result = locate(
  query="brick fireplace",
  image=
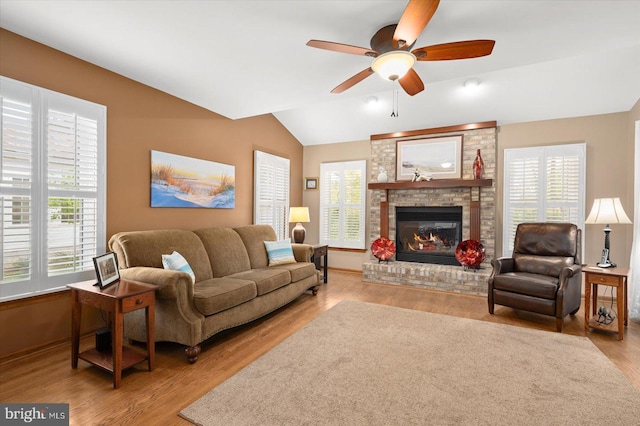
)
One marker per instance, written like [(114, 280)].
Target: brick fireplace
[(428, 234), (475, 199)]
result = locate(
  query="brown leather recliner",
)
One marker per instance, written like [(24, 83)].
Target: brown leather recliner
[(543, 275)]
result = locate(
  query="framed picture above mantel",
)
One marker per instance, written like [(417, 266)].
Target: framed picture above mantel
[(434, 158)]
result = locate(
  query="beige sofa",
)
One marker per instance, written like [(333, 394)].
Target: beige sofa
[(233, 282)]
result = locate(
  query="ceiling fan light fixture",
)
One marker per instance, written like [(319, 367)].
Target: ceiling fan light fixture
[(393, 65)]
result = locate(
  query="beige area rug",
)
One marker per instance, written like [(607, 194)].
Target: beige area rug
[(365, 364)]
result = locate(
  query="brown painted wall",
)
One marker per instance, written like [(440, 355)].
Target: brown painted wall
[(141, 119)]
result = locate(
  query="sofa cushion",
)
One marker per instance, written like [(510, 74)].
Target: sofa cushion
[(279, 252), (266, 279), (254, 237), (542, 286), (299, 270), (217, 294), (226, 251), (176, 262), (145, 248)]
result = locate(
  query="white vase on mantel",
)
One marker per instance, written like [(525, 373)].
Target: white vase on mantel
[(382, 176)]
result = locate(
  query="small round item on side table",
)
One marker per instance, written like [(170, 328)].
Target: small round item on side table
[(470, 254), (383, 249)]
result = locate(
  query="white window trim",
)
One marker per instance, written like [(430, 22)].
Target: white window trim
[(542, 154), (338, 169), (270, 203), (41, 100)]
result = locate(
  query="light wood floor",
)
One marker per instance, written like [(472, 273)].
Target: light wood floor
[(156, 397)]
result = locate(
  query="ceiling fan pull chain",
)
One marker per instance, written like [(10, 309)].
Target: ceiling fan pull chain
[(394, 108)]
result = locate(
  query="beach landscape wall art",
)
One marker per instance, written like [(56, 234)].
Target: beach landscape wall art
[(178, 181)]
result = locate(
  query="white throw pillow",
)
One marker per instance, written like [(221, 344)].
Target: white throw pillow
[(176, 262), (279, 252)]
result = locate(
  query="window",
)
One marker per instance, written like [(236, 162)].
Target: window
[(543, 184), (52, 189), (271, 192), (342, 203)]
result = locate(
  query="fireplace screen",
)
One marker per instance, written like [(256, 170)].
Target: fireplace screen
[(428, 234)]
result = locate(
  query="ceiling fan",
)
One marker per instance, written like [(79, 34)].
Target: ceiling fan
[(391, 49)]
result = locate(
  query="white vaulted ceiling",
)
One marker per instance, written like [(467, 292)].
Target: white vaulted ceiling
[(552, 59)]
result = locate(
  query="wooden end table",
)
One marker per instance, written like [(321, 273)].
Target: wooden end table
[(321, 251), (614, 277), (117, 299)]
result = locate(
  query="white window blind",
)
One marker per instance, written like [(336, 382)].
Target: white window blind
[(543, 184), (342, 204), (52, 189), (271, 192)]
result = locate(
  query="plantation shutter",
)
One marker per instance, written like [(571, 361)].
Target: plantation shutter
[(342, 204), (72, 158), (271, 192), (53, 189), (542, 184), (16, 188)]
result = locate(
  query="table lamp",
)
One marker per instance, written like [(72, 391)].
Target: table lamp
[(607, 211), (299, 215)]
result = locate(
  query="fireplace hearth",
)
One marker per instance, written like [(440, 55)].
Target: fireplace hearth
[(428, 234)]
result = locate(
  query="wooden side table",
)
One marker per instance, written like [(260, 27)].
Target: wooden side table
[(614, 277), (117, 299), (321, 251)]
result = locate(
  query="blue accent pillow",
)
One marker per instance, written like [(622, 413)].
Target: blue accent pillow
[(279, 252), (176, 262)]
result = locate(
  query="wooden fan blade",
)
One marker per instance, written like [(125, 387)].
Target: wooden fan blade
[(456, 50), (414, 18), (342, 48), (353, 81), (411, 82)]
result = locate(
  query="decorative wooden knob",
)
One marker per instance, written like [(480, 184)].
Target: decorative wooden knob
[(139, 302)]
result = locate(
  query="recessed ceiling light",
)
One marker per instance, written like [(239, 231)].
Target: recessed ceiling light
[(371, 100), (472, 83)]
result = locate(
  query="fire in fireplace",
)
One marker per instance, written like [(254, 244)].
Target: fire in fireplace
[(428, 234)]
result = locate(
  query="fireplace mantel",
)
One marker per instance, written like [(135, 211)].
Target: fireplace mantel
[(474, 203), (435, 183)]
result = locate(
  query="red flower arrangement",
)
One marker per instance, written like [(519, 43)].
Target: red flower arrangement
[(383, 248), (470, 254)]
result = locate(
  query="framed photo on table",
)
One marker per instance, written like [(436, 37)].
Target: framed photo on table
[(439, 158), (106, 269)]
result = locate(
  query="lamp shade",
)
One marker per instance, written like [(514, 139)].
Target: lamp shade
[(393, 65), (607, 211), (299, 214)]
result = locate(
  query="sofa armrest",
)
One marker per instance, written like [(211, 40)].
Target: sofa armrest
[(302, 252), (174, 285)]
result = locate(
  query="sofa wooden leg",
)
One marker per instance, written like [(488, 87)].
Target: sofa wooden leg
[(491, 306), (559, 323), (314, 290), (192, 353)]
